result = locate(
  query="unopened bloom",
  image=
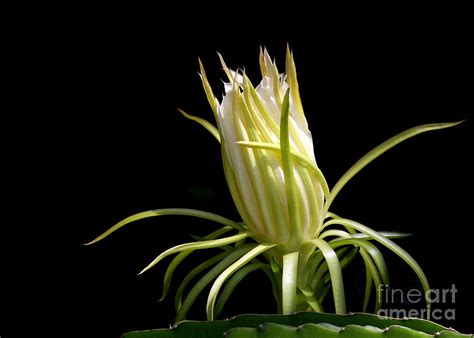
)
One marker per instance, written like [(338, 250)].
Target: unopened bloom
[(250, 132)]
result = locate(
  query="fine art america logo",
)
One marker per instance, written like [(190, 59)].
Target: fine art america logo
[(411, 301)]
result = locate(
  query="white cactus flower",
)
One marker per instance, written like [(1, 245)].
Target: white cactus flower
[(284, 201), (249, 123)]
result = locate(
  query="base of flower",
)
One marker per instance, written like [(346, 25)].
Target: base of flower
[(289, 282)]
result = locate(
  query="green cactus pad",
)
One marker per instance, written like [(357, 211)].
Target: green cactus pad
[(304, 324)]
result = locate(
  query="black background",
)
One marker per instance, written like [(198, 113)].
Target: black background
[(104, 141)]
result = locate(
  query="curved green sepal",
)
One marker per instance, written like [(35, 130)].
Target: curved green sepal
[(379, 150), (164, 212), (288, 167), (206, 124), (213, 243), (227, 260), (242, 261), (336, 274), (390, 245), (182, 255)]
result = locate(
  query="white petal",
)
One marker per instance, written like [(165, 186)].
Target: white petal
[(266, 94), (233, 151)]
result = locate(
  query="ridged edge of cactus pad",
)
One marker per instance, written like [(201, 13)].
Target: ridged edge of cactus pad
[(303, 324)]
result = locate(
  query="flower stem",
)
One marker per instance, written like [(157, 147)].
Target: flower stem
[(289, 277)]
